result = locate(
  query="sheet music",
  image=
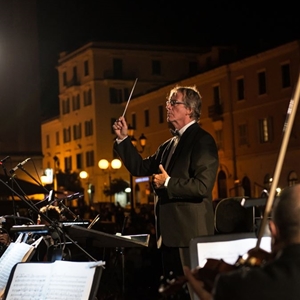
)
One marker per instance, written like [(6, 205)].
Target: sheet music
[(61, 280), (15, 253), (230, 250)]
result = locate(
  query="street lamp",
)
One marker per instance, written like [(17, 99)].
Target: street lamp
[(143, 141), (85, 175), (110, 168)]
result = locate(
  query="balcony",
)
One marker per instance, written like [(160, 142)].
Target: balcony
[(73, 82)]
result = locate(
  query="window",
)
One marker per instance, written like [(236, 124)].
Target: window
[(65, 78), (222, 184), (156, 67), (88, 128), (87, 97), (66, 106), (115, 96), (133, 121), (57, 138), (161, 114), (262, 85), (240, 89), (285, 76), (76, 102), (67, 135), (89, 157), (243, 134), (219, 139), (86, 68), (265, 130), (147, 120), (47, 141), (77, 131), (74, 79), (126, 94), (68, 163), (267, 181), (118, 68), (79, 161), (216, 95)]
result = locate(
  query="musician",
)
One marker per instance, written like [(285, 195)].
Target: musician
[(52, 212), (184, 171), (47, 246), (276, 279), (4, 240)]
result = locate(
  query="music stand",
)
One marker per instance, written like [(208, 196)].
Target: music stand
[(104, 240), (93, 238)]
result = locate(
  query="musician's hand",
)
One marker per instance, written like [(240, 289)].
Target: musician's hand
[(159, 179), (120, 128), (196, 285)]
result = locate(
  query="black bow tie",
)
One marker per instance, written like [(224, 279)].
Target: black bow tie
[(175, 132)]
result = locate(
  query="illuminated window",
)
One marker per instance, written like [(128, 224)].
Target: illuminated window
[(265, 130)]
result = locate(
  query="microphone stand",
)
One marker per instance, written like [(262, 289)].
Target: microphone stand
[(53, 224), (25, 171), (15, 213)]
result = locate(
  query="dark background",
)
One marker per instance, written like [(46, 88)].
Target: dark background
[(64, 25)]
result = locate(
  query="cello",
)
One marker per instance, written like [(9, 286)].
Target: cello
[(255, 256)]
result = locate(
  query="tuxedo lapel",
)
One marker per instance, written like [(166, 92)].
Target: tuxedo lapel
[(166, 152), (184, 141)]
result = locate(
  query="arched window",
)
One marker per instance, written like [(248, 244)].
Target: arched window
[(267, 181), (246, 186), (222, 185)]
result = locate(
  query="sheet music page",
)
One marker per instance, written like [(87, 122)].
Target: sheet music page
[(14, 254), (61, 280), (230, 250)]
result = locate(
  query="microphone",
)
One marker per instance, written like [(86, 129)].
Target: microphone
[(19, 165), (74, 196), (4, 159)]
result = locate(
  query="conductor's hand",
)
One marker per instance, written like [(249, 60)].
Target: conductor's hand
[(196, 284), (159, 179), (120, 128)]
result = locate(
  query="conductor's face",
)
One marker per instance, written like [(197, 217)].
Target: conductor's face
[(177, 112)]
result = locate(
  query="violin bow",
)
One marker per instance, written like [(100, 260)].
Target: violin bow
[(129, 98), (287, 128)]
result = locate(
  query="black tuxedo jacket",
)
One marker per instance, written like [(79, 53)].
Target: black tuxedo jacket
[(183, 209)]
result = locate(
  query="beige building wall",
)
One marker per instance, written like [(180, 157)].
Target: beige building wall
[(254, 160), (245, 161)]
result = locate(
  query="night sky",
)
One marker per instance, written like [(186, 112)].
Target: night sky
[(65, 25)]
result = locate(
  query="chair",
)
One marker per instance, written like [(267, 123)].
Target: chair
[(231, 217)]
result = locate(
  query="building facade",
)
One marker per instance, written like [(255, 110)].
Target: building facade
[(95, 82), (245, 107)]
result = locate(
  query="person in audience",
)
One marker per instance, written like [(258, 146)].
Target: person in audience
[(278, 278)]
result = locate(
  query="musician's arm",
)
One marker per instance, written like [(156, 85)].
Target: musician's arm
[(197, 285)]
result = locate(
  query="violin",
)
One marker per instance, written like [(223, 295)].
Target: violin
[(212, 268)]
